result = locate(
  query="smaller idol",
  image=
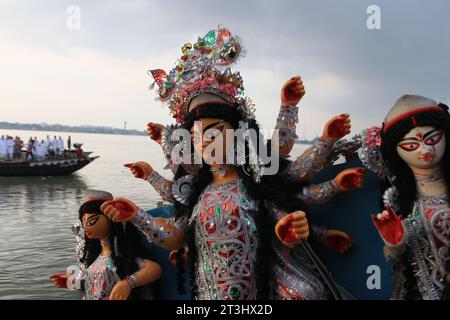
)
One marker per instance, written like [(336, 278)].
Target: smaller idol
[(412, 153), (114, 263)]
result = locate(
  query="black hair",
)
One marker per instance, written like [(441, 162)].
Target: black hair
[(126, 245), (402, 176), (273, 190)]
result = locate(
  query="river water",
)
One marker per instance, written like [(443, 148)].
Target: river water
[(36, 213)]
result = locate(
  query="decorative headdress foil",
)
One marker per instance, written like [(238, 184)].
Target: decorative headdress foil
[(78, 231), (390, 198), (370, 153), (204, 68), (256, 167)]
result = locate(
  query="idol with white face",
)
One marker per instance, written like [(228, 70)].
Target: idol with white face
[(210, 139), (422, 147)]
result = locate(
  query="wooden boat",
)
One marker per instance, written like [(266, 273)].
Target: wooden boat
[(49, 167)]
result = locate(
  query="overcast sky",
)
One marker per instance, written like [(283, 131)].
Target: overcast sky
[(97, 74)]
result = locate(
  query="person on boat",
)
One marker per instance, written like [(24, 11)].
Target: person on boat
[(116, 264), (69, 143), (47, 143), (56, 146), (60, 149), (36, 148), (78, 151), (246, 231), (42, 150), (30, 147), (10, 148), (51, 151), (413, 157), (18, 145), (3, 148)]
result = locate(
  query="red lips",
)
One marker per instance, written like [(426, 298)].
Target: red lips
[(427, 157)]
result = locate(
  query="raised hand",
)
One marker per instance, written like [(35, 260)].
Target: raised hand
[(337, 241), (389, 226), (292, 91), (60, 280), (140, 170), (121, 291), (351, 178), (337, 127), (119, 209), (291, 229), (154, 130)]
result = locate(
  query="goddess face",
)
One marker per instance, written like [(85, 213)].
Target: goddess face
[(96, 225), (209, 137), (422, 147)]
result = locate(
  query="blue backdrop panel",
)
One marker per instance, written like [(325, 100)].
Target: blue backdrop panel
[(350, 212)]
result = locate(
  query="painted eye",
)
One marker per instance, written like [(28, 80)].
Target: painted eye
[(434, 139), (409, 146), (91, 222)]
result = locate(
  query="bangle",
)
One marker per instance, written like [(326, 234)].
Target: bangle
[(132, 281)]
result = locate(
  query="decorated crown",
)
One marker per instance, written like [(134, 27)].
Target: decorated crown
[(204, 68)]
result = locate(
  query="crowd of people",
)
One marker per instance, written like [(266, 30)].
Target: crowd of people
[(14, 148)]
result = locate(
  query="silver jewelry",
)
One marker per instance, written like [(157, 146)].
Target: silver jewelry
[(147, 225), (327, 190), (431, 177), (257, 169), (311, 161), (390, 198), (182, 189), (286, 124), (158, 182), (370, 152), (435, 200), (132, 281)]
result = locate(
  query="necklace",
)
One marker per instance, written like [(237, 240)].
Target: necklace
[(435, 200), (431, 177)]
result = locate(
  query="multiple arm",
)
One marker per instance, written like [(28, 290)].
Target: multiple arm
[(311, 161), (142, 170), (161, 185), (286, 125), (291, 94), (166, 233), (320, 193)]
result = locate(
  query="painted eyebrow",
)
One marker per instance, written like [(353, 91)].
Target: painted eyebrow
[(209, 126), (212, 125), (93, 216), (424, 136), (430, 133), (409, 138)]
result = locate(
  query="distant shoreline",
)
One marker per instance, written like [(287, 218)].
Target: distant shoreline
[(85, 129), (69, 129)]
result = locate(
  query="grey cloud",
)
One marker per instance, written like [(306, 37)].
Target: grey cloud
[(408, 55)]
